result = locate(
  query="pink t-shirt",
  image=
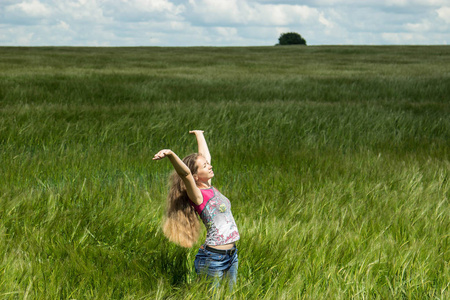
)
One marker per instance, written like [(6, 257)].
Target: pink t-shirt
[(215, 212)]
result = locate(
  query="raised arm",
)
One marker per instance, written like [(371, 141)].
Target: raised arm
[(202, 146), (185, 174)]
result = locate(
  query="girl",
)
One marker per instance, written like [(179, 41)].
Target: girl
[(191, 192)]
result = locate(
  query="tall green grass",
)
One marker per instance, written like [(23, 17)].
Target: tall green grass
[(335, 159)]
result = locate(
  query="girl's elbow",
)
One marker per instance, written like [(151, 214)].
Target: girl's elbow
[(183, 173)]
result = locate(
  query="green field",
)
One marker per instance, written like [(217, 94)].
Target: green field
[(336, 160)]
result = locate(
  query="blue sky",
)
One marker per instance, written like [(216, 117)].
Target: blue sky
[(222, 22)]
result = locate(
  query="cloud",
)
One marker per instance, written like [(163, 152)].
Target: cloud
[(221, 22), (423, 26), (25, 12), (280, 15), (32, 8), (219, 12), (266, 21), (401, 38), (238, 13), (444, 13), (141, 10)]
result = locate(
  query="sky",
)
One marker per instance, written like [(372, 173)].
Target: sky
[(222, 22)]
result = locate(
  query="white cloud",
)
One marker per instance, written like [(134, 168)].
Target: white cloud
[(20, 37), (402, 38), (32, 8), (222, 22), (286, 14), (356, 3), (63, 25), (444, 13), (219, 11), (324, 21), (226, 35), (235, 12), (226, 31), (423, 26), (23, 12), (141, 10), (396, 2)]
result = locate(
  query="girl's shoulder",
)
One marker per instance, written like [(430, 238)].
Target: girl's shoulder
[(209, 192)]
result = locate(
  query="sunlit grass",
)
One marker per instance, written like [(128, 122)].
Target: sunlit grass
[(335, 160)]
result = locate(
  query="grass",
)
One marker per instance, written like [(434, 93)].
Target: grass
[(335, 160)]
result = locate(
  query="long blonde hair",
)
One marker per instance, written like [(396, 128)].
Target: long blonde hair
[(181, 224)]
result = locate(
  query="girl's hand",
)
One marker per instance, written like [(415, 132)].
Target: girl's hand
[(196, 131), (162, 153)]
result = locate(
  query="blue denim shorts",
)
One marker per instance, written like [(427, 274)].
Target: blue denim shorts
[(217, 266)]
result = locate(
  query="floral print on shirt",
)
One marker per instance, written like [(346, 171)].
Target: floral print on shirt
[(218, 219)]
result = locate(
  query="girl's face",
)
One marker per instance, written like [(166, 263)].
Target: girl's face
[(204, 170)]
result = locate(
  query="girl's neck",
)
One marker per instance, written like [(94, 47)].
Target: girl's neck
[(203, 185)]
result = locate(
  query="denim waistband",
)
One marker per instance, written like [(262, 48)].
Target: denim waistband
[(219, 251)]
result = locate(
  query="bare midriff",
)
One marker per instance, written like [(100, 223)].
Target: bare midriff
[(222, 247)]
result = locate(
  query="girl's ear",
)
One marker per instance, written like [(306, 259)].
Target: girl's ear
[(195, 177)]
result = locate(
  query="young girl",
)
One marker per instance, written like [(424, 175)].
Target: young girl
[(191, 192)]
